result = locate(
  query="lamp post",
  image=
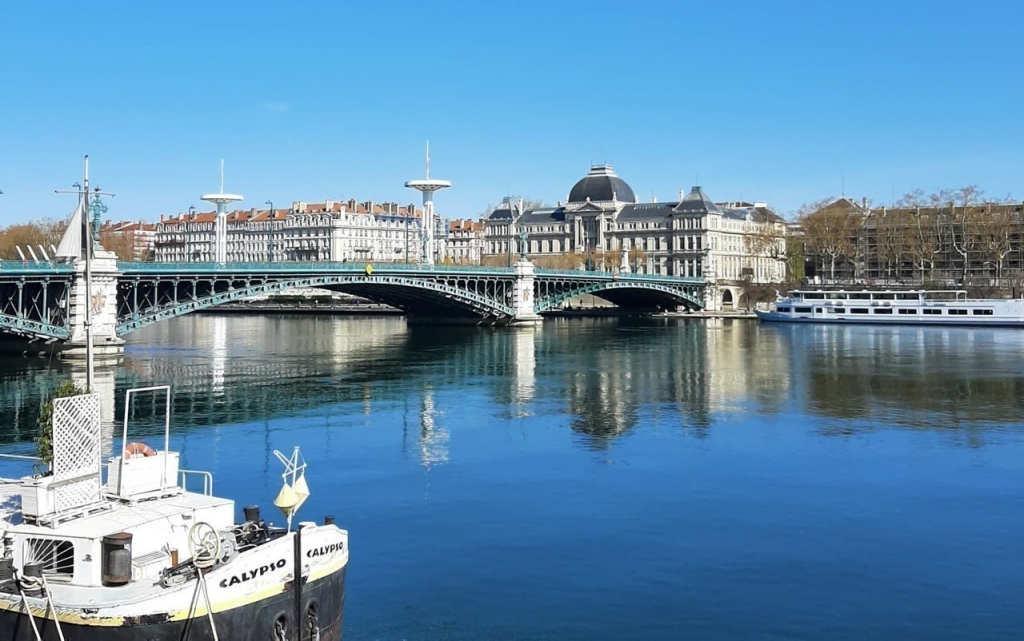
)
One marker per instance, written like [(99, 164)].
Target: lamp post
[(516, 211), (271, 241), (586, 241), (188, 233)]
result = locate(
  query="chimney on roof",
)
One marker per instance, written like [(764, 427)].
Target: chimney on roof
[(352, 205), (681, 196), (161, 218), (328, 205), (864, 203), (654, 199)]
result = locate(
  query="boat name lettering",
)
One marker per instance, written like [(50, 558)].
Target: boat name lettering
[(252, 574), (325, 549)]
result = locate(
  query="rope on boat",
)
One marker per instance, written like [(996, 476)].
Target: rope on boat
[(35, 585), (24, 601)]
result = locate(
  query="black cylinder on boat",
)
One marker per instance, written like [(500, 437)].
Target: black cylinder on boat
[(252, 513), (117, 559), (34, 571), (329, 519)]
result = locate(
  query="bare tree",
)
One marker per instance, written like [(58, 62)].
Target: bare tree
[(768, 240), (964, 218), (928, 238), (996, 225), (528, 204), (828, 227), (122, 243), (912, 199), (891, 227), (45, 233)]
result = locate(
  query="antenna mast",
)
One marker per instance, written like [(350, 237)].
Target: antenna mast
[(428, 160)]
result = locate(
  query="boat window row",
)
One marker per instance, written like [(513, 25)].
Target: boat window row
[(883, 310), (910, 296), (857, 295)]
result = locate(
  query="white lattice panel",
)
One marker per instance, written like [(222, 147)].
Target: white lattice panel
[(76, 451)]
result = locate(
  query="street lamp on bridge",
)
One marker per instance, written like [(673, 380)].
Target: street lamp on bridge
[(188, 233), (271, 243)]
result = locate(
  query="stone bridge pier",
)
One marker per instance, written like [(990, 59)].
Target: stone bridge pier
[(106, 342), (523, 302)]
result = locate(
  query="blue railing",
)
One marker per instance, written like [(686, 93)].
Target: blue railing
[(34, 267), (304, 266), (359, 267)]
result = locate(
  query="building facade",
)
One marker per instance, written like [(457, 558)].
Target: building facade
[(948, 245), (465, 242), (602, 226), (130, 240), (328, 231)]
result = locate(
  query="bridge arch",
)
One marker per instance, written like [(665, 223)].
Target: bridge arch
[(449, 297), (628, 294)]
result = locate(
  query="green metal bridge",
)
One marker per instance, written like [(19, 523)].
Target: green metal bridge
[(34, 298)]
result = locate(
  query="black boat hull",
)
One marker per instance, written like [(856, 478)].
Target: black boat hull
[(256, 621)]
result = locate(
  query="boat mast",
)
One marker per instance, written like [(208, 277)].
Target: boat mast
[(87, 255), (87, 251)]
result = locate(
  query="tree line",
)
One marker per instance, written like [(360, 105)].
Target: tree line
[(46, 233), (947, 234)]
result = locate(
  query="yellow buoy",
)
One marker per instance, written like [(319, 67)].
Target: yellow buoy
[(301, 492), (287, 500)]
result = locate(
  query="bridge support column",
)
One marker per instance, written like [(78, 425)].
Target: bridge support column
[(523, 301), (106, 342)]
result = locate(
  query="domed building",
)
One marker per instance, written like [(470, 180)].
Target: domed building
[(602, 226), (601, 185)]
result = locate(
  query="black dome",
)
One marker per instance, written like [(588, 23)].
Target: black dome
[(601, 184)]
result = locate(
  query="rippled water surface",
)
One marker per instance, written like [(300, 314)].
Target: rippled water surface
[(615, 479)]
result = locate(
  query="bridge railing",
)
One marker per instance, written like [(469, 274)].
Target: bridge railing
[(304, 266), (289, 267), (578, 273), (28, 266)]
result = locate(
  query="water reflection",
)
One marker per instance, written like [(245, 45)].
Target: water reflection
[(433, 440), (607, 377)]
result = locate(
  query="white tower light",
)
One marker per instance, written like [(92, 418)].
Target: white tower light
[(427, 187), (221, 228)]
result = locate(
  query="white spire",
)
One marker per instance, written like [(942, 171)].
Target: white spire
[(428, 160)]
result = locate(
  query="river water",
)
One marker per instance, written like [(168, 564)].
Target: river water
[(614, 479)]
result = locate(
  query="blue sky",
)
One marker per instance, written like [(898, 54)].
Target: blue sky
[(775, 101)]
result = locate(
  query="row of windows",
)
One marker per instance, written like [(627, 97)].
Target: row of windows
[(884, 310)]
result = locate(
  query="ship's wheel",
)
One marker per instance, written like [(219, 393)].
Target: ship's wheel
[(204, 544)]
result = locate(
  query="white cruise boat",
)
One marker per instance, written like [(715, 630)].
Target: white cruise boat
[(887, 307)]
